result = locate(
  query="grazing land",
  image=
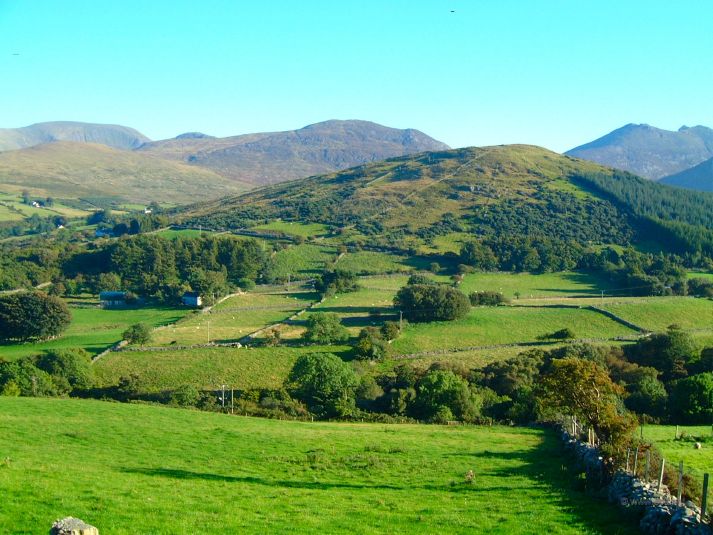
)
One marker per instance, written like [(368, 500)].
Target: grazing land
[(159, 470), (294, 228), (695, 461), (507, 325), (657, 313), (234, 318), (302, 261), (96, 329), (536, 286), (205, 368)]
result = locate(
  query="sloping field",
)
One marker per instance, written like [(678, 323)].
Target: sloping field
[(131, 469)]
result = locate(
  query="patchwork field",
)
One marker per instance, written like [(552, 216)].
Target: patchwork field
[(306, 230), (234, 318), (657, 313), (208, 368), (536, 286), (96, 329), (302, 261), (507, 325), (159, 470)]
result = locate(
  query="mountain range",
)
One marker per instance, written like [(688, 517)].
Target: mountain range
[(650, 152), (59, 158)]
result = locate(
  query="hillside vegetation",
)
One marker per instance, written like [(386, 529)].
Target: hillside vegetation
[(505, 194), (89, 171), (142, 469)]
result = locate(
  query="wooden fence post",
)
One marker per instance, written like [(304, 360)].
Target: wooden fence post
[(648, 461), (680, 481), (628, 454), (663, 465), (704, 499), (636, 460)]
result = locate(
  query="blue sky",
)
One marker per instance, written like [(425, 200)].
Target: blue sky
[(554, 73)]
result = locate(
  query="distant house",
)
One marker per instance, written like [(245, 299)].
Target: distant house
[(112, 299), (192, 299)]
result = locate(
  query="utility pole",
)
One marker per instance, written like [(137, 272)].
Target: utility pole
[(209, 331), (232, 405), (222, 396), (602, 297), (401, 320)]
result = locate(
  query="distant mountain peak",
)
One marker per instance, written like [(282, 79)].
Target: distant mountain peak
[(194, 135), (111, 135), (649, 151)]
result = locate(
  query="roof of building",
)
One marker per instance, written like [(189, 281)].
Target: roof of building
[(109, 296)]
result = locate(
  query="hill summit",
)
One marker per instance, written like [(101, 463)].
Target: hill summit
[(111, 135)]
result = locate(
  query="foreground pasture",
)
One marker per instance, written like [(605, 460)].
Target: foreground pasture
[(143, 469)]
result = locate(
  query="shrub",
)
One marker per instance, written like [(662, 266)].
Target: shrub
[(139, 333), (390, 330), (370, 345), (486, 298), (28, 315), (325, 328), (441, 389), (185, 396), (325, 383), (427, 302), (690, 401), (73, 365), (337, 281)]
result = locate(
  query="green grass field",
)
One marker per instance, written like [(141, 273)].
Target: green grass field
[(184, 233), (302, 261), (373, 263), (306, 230), (141, 469), (506, 325), (240, 368), (657, 313), (674, 451), (699, 275), (234, 318), (536, 286), (96, 329)]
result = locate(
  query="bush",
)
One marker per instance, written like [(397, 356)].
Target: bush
[(28, 315), (337, 281), (325, 328), (486, 298), (72, 365), (186, 396), (370, 345), (441, 389), (138, 333), (325, 383), (690, 401), (427, 302), (390, 330)]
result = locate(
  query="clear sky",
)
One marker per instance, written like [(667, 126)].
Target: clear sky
[(556, 73)]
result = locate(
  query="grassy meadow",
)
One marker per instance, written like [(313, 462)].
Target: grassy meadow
[(145, 469), (294, 228), (233, 318), (96, 329), (302, 261), (205, 368), (674, 451), (536, 286)]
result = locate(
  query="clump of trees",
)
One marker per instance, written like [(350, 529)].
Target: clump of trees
[(56, 372), (431, 302), (138, 334), (325, 328), (32, 315), (336, 281), (487, 298)]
